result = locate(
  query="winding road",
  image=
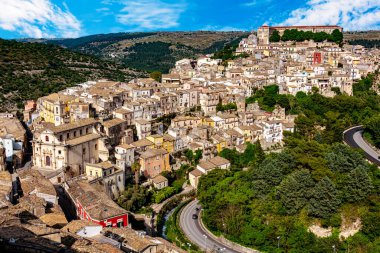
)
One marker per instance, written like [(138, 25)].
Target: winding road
[(197, 234), (354, 138)]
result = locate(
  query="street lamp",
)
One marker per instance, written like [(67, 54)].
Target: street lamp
[(205, 236), (278, 241), (334, 248)]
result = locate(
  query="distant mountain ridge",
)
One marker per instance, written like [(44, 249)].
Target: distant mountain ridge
[(32, 70), (149, 51)]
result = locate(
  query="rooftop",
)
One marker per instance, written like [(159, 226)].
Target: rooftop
[(73, 125), (219, 161), (159, 179), (83, 139), (97, 204), (153, 152)]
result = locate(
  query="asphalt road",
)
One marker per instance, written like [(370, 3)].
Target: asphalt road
[(196, 234), (354, 138)]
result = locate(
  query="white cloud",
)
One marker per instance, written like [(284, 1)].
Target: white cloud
[(221, 28), (150, 14), (102, 9), (38, 19), (351, 14), (256, 2)]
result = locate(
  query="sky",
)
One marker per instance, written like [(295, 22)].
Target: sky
[(76, 18)]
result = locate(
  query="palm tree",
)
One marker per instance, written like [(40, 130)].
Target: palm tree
[(136, 169)]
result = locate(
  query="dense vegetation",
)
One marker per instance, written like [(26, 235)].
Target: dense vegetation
[(227, 107), (365, 43), (296, 35), (315, 180), (157, 51), (151, 56), (94, 44), (32, 70)]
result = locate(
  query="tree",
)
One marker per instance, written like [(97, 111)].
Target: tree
[(372, 127), (324, 201), (259, 153), (305, 126), (358, 185), (156, 75), (197, 156), (269, 171), (189, 155), (275, 37), (337, 36), (343, 159), (294, 191), (136, 169)]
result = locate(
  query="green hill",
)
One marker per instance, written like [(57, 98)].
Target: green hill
[(31, 70), (156, 51), (316, 183)]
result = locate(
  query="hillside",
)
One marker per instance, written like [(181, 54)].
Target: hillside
[(315, 194), (31, 70), (151, 51), (365, 38)]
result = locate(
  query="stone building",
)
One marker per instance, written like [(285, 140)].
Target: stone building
[(264, 32), (69, 146)]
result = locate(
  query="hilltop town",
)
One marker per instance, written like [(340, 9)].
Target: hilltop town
[(66, 166)]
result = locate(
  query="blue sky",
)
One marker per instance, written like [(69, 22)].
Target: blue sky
[(74, 18)]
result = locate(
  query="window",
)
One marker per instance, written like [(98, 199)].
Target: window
[(96, 146), (59, 152), (80, 132), (47, 161), (68, 135), (86, 130), (75, 133), (61, 138), (119, 178), (84, 151), (46, 138)]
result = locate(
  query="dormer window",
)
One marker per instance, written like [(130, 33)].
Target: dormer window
[(47, 138)]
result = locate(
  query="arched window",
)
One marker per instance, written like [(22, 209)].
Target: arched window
[(46, 138), (47, 161)]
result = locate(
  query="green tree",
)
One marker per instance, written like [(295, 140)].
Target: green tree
[(269, 171), (342, 158), (337, 36), (305, 127), (275, 37), (358, 185), (189, 155), (372, 127), (294, 191), (198, 156), (136, 170), (156, 75), (259, 153), (324, 201)]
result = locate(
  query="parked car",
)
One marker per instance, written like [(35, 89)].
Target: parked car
[(195, 216)]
